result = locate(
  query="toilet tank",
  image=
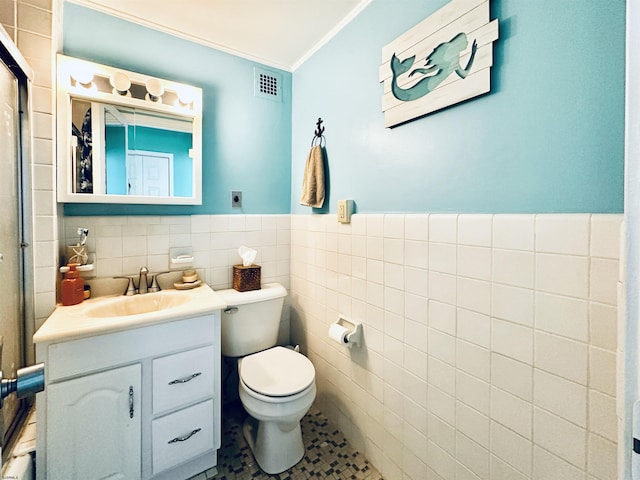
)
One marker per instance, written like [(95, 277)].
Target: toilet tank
[(251, 321)]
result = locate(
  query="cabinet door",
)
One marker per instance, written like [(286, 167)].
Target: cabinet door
[(93, 426)]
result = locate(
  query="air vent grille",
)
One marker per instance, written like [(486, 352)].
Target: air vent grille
[(267, 84)]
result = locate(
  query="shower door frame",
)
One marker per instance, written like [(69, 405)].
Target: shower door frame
[(11, 57)]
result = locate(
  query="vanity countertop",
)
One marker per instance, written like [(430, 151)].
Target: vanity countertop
[(80, 321)]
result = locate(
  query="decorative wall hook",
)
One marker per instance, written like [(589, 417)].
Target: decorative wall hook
[(319, 133)]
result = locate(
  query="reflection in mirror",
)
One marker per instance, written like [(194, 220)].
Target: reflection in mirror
[(127, 137), (82, 161), (145, 153)]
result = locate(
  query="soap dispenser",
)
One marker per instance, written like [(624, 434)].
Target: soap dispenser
[(72, 286)]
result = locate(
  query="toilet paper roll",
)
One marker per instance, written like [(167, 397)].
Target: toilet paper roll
[(338, 334)]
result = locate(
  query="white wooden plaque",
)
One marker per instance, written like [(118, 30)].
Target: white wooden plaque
[(443, 60)]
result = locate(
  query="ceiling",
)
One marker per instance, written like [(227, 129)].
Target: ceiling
[(279, 33)]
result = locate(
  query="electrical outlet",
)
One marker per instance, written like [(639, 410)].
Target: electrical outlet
[(236, 199), (345, 209)]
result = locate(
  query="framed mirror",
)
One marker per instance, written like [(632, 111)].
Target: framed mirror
[(124, 137)]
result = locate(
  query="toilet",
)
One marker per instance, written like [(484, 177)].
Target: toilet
[(276, 384)]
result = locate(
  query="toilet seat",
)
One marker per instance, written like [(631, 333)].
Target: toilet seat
[(277, 372)]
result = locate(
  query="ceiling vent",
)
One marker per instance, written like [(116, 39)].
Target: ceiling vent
[(267, 84)]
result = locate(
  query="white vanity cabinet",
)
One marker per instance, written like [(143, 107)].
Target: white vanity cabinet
[(137, 404), (98, 416)]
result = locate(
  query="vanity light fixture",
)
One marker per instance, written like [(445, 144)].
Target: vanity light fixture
[(113, 93), (120, 83), (155, 90)]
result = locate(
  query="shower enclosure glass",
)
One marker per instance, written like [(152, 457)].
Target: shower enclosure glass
[(13, 91)]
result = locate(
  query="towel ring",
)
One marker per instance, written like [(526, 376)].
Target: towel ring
[(319, 141), (318, 134)]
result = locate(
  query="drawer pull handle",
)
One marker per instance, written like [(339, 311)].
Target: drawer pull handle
[(130, 401), (184, 438), (185, 379), (231, 310)]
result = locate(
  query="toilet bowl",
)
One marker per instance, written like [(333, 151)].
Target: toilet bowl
[(276, 384), (277, 388)]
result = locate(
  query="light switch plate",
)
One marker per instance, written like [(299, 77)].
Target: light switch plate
[(345, 209)]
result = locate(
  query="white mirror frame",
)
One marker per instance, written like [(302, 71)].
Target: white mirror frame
[(67, 89)]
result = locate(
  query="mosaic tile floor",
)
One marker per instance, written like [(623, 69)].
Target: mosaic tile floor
[(328, 455)]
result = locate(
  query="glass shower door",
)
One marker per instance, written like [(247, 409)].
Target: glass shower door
[(11, 310)]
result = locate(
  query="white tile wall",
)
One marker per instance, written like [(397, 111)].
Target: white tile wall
[(123, 244), (490, 345)]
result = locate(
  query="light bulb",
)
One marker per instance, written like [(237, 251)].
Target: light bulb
[(185, 94), (83, 75), (155, 89), (120, 82)]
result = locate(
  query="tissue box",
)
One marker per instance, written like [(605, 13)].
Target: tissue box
[(246, 278)]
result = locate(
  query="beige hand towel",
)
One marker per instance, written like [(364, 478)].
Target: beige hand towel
[(313, 181)]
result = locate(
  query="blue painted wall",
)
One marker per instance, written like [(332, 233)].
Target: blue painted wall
[(246, 139), (548, 138)]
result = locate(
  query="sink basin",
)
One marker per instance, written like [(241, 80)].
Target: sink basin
[(138, 304), (113, 313)]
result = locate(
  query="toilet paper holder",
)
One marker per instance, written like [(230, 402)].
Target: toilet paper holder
[(354, 336)]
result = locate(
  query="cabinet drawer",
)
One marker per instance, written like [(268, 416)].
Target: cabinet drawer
[(182, 378), (182, 435)]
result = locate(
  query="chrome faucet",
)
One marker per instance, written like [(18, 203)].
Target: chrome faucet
[(131, 288), (143, 286), (143, 283), (155, 287)]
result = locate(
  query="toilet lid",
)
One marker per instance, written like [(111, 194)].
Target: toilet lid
[(277, 372)]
